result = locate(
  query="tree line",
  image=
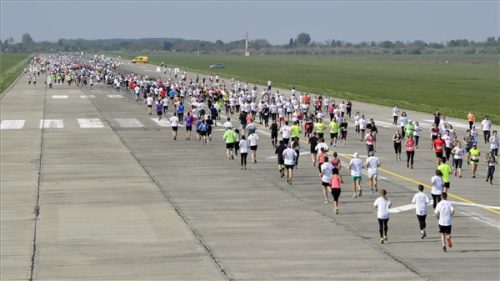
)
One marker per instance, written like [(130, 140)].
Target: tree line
[(301, 44)]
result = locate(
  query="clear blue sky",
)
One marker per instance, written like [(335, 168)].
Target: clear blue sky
[(276, 21)]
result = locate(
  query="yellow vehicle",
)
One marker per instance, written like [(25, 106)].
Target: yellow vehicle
[(141, 59)]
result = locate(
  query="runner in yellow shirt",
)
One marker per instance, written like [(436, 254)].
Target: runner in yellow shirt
[(473, 158), (334, 132), (320, 127)]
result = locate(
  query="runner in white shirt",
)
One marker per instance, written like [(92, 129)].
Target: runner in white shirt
[(356, 167), (437, 188), (174, 122), (395, 115), (149, 103), (325, 174), (458, 155), (285, 133), (421, 200), (444, 212), (494, 143), (289, 156), (253, 140), (372, 164), (486, 125), (228, 124), (383, 204), (243, 152)]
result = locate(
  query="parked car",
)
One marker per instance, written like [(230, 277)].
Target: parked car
[(217, 65)]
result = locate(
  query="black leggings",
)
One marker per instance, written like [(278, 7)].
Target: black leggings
[(409, 157), (491, 171), (335, 194), (421, 221), (416, 140), (382, 227), (435, 200), (243, 159)]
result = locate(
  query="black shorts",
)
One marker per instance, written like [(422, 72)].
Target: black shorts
[(274, 135), (253, 147), (229, 145), (439, 154), (457, 163), (335, 135), (150, 105), (204, 133), (445, 229), (289, 166), (159, 112), (174, 129), (434, 137), (446, 184), (325, 184), (281, 161), (189, 128)]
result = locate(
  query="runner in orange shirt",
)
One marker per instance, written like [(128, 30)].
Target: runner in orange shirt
[(472, 118)]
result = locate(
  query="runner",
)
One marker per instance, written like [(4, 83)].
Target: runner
[(458, 155), (313, 142), (202, 129), (473, 158), (372, 164), (445, 170), (471, 118), (396, 139), (274, 133), (362, 127), (370, 141), (320, 127), (494, 143), (356, 167), (410, 151), (253, 140), (382, 204), (174, 122), (180, 111), (289, 156), (491, 161), (343, 131), (420, 200), (229, 138), (189, 125), (296, 147), (337, 165), (243, 151), (438, 147), (334, 132), (437, 188), (149, 103), (159, 109), (295, 131), (486, 125), (335, 182), (285, 133), (325, 174), (279, 153), (444, 212), (395, 114), (416, 133)]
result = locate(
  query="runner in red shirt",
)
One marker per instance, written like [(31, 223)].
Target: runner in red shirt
[(438, 147)]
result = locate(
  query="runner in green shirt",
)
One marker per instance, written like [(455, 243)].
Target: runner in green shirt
[(334, 132), (229, 137), (320, 127), (295, 131), (445, 170), (409, 129)]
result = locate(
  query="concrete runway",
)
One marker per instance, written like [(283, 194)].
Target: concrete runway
[(120, 200)]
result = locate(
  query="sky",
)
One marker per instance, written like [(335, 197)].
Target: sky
[(277, 21)]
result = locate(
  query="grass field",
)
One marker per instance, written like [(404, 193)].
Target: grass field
[(11, 65), (422, 83)]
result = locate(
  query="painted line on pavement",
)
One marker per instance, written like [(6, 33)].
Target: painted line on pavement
[(129, 123), (90, 123), (12, 124), (51, 124), (59, 96)]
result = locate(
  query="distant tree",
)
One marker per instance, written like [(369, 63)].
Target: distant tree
[(291, 43), (259, 44), (167, 45), (303, 39), (387, 45)]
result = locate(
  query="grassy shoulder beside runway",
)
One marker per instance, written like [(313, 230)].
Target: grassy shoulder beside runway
[(11, 65), (421, 83)]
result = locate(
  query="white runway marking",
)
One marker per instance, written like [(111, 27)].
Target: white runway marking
[(162, 123), (302, 153), (129, 123), (59, 96), (87, 97), (454, 124), (384, 124), (51, 123), (12, 124), (90, 123), (114, 96)]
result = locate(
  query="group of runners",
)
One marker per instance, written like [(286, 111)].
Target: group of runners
[(298, 118)]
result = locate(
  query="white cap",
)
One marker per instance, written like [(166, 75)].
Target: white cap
[(355, 155)]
